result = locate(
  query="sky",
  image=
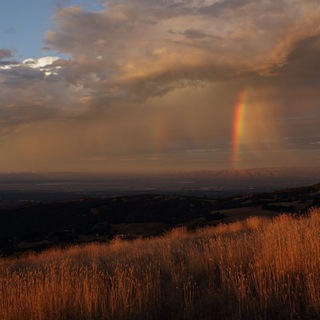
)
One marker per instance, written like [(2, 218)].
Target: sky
[(159, 85)]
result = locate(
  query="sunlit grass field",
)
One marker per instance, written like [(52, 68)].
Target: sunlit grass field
[(255, 269)]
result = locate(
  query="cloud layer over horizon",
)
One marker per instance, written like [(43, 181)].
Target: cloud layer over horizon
[(151, 83)]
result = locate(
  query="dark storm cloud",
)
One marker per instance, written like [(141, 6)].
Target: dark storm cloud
[(297, 81), (303, 62)]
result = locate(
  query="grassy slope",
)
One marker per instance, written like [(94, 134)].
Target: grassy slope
[(259, 269), (39, 226)]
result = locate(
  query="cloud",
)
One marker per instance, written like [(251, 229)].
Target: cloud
[(150, 77), (148, 47), (139, 49), (33, 90), (28, 69), (5, 54)]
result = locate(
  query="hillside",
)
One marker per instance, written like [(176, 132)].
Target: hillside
[(43, 225), (258, 268)]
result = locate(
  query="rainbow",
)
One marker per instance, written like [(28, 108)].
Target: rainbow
[(238, 125)]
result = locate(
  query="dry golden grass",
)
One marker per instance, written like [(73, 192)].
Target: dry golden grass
[(255, 269)]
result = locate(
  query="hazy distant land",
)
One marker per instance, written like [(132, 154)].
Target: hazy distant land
[(69, 185)]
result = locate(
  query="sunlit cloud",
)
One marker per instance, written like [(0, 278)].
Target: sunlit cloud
[(159, 81)]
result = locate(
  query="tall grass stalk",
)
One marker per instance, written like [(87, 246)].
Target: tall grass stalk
[(255, 269)]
